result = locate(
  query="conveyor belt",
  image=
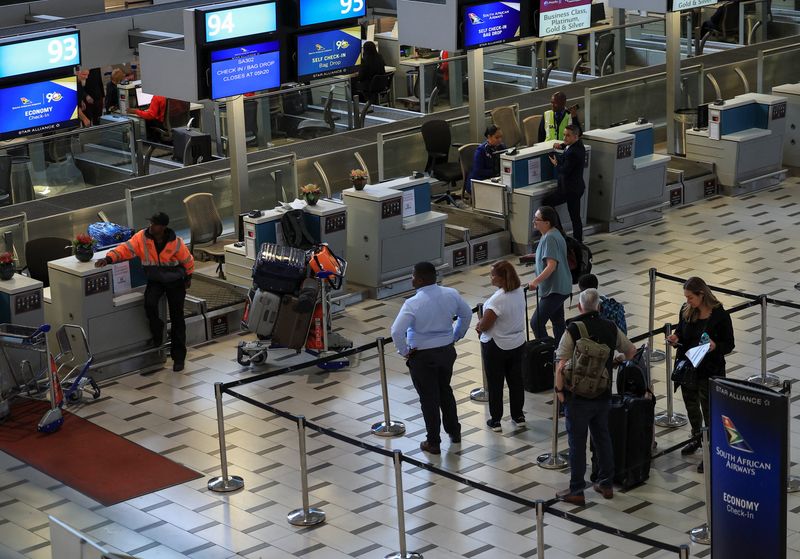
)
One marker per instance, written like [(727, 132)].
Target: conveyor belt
[(216, 295), (478, 225), (452, 237), (691, 169)]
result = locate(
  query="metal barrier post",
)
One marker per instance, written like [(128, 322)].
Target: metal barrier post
[(224, 483), (401, 514), (793, 483), (669, 418), (765, 378), (553, 460), (387, 427), (702, 534), (683, 552), (480, 394), (539, 529), (655, 355), (305, 516)]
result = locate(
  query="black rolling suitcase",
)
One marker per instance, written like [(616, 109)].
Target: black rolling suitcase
[(538, 370), (279, 269), (294, 317), (630, 423)]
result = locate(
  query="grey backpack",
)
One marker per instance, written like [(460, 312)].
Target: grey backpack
[(586, 374)]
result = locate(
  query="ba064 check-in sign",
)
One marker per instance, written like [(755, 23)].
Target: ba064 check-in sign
[(563, 16), (748, 449)]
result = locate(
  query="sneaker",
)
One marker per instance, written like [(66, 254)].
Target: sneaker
[(518, 421), (494, 426), (572, 498), (177, 366), (606, 492), (691, 448), (429, 447)]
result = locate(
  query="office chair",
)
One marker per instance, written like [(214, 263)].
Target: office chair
[(176, 114), (412, 101), (38, 252), (506, 119), (5, 180), (436, 135), (466, 157), (205, 225), (604, 54), (530, 125), (379, 91), (313, 128)]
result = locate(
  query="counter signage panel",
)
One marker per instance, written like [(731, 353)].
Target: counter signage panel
[(491, 23), (38, 107), (563, 16), (323, 11), (678, 5), (243, 69), (328, 53), (242, 21), (39, 55)]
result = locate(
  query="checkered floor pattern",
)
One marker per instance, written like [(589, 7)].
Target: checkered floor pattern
[(748, 243)]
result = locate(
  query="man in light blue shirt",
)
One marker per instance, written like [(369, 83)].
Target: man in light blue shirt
[(424, 333)]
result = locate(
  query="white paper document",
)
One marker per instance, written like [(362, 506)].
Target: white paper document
[(122, 277), (409, 203), (534, 170), (696, 354)]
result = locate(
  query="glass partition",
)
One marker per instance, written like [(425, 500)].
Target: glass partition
[(267, 179), (777, 67), (66, 162)]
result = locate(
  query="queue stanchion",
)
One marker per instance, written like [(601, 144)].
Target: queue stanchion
[(480, 394), (401, 513), (223, 483), (766, 378), (539, 529), (702, 534), (553, 460), (793, 482), (669, 418), (655, 355), (387, 427), (683, 551), (305, 516)]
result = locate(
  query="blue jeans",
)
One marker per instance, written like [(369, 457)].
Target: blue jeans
[(582, 417), (550, 308)]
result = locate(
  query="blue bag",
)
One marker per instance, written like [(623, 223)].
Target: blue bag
[(109, 234)]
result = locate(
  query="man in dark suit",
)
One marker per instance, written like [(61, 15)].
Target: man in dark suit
[(569, 166)]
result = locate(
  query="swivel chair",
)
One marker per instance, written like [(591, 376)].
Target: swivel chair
[(379, 88), (506, 119), (38, 252), (176, 114), (436, 135), (604, 54), (205, 225), (466, 157), (531, 127), (313, 128)]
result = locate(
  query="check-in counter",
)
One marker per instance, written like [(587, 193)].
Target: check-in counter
[(526, 178), (744, 139), (628, 179), (791, 139)]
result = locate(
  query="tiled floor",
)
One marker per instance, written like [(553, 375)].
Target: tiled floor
[(749, 243)]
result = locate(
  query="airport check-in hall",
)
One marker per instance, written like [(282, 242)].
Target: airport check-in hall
[(399, 279)]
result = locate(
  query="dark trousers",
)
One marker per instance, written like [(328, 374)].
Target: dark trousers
[(176, 295), (583, 417), (431, 371), (550, 308), (696, 401), (503, 365), (573, 202)]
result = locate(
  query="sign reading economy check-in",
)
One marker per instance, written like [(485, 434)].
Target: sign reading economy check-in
[(563, 16), (748, 470)]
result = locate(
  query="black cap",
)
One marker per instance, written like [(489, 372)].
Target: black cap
[(159, 218)]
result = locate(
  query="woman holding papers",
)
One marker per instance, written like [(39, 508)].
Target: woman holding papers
[(702, 320)]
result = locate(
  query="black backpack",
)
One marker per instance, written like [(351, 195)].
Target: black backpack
[(632, 375), (579, 258), (295, 233)]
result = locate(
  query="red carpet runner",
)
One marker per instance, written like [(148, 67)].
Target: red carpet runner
[(98, 463)]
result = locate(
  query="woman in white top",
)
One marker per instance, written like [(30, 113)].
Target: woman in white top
[(502, 335)]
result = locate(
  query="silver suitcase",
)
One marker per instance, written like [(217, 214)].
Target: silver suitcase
[(263, 313)]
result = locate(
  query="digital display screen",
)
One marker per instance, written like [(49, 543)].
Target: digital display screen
[(678, 5), (323, 11), (328, 52), (491, 23), (40, 55), (243, 69), (563, 16), (232, 23), (38, 107)]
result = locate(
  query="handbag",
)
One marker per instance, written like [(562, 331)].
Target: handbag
[(684, 374)]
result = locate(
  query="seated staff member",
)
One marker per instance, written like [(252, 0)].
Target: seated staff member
[(153, 116), (486, 161)]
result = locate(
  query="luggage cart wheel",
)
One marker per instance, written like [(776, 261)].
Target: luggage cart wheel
[(259, 358), (74, 397), (95, 389), (240, 357)]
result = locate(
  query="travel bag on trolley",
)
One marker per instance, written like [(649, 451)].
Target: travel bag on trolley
[(279, 269)]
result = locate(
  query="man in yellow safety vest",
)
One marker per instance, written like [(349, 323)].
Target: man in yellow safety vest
[(556, 120)]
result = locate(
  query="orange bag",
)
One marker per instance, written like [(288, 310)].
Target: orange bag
[(322, 259)]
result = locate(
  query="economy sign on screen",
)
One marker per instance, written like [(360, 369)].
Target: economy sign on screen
[(562, 16), (233, 23), (492, 23), (38, 107), (39, 55), (323, 11), (328, 53), (243, 69)]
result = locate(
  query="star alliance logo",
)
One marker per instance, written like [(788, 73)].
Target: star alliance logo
[(735, 439)]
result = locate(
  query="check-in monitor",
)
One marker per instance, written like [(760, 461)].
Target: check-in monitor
[(328, 53), (142, 99), (244, 69), (38, 107), (325, 11), (490, 23)]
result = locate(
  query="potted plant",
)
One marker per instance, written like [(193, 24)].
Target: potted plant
[(83, 247), (311, 193), (359, 178), (6, 266)]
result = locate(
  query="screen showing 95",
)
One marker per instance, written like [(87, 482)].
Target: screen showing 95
[(328, 52)]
